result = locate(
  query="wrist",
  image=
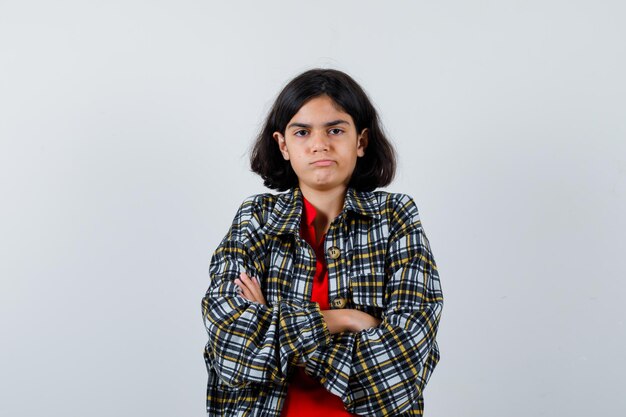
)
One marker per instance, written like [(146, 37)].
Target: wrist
[(348, 320), (345, 320), (338, 321)]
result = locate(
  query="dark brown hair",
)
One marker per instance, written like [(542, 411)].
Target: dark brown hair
[(375, 169)]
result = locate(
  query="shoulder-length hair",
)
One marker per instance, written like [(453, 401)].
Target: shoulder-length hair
[(375, 169)]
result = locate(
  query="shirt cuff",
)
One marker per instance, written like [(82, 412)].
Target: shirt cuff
[(320, 335)]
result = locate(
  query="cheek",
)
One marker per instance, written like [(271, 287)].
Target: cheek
[(297, 159), (298, 153)]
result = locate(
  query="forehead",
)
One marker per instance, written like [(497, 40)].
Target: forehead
[(320, 110)]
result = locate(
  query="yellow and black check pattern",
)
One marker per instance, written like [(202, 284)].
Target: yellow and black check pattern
[(385, 268)]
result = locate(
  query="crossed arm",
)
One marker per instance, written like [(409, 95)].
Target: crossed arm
[(338, 321), (376, 368)]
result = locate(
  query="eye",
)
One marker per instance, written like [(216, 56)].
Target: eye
[(335, 131), (300, 133)]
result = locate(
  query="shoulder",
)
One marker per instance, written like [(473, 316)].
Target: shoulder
[(398, 210), (257, 206), (395, 204), (257, 203), (255, 210)]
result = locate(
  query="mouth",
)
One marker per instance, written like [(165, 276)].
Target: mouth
[(322, 162)]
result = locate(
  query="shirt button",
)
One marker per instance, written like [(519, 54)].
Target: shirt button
[(339, 302), (334, 252)]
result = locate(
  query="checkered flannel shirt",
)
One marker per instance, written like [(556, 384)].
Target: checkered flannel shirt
[(385, 268)]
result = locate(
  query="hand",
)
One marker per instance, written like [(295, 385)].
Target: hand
[(250, 288), (360, 320), (348, 320)]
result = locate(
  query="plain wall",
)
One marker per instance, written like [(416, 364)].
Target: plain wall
[(125, 127)]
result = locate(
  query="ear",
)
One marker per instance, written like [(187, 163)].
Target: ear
[(282, 145), (361, 142)]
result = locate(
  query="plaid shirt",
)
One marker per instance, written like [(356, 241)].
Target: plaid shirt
[(379, 261)]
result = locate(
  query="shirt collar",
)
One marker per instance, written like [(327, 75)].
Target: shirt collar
[(363, 203), (286, 214)]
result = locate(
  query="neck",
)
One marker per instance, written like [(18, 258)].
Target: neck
[(328, 203)]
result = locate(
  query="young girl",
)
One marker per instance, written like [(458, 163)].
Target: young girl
[(324, 299)]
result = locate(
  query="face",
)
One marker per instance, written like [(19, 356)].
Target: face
[(322, 145)]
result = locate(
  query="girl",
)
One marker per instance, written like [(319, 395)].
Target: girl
[(324, 299)]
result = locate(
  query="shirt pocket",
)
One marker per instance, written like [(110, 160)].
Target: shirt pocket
[(368, 292)]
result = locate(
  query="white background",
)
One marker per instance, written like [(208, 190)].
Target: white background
[(125, 127)]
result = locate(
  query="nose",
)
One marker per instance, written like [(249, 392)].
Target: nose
[(319, 142)]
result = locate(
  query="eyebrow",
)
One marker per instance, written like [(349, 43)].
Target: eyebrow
[(333, 123)]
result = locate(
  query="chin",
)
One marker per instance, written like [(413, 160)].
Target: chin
[(327, 185)]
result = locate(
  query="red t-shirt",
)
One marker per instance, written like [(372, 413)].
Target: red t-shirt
[(306, 397)]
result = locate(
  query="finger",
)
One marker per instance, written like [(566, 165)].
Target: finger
[(245, 291), (253, 286), (262, 298), (258, 293)]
